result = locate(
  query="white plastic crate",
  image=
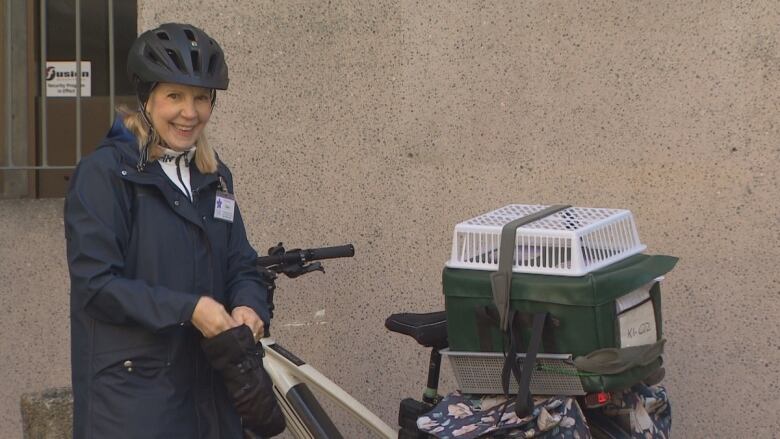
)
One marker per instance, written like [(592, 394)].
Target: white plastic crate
[(571, 242)]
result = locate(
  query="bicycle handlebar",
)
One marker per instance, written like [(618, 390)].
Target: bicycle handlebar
[(302, 256), (294, 263)]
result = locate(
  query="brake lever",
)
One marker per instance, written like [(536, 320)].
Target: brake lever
[(294, 270), (269, 276), (276, 250)]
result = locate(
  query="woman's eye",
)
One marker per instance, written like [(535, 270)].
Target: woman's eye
[(173, 95), (203, 97)]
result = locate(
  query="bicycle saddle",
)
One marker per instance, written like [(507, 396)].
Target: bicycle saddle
[(429, 329)]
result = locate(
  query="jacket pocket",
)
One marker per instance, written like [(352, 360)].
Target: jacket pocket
[(143, 360), (133, 396), (140, 372)]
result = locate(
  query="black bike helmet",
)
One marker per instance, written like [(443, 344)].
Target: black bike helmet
[(179, 54)]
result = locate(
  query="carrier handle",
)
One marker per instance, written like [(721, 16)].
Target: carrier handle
[(523, 403), (501, 280)]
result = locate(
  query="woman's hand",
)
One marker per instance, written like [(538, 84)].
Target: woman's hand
[(248, 316), (210, 317)]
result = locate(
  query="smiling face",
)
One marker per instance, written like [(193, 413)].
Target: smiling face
[(179, 113)]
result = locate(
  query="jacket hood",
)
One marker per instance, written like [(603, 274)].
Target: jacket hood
[(123, 140)]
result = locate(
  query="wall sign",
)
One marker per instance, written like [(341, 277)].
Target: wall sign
[(61, 79)]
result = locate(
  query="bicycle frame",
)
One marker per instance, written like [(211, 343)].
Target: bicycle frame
[(305, 417)]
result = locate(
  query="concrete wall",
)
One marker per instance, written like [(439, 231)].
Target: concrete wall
[(385, 123)]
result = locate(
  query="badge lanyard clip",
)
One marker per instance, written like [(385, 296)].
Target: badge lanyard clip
[(224, 203)]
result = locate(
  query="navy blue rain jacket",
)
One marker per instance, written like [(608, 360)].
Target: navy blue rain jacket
[(140, 255)]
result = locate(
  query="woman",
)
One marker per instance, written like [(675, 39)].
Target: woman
[(158, 255)]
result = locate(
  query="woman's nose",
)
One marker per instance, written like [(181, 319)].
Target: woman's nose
[(188, 109)]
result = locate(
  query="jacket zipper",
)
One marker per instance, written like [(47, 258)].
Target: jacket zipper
[(209, 249), (90, 404), (210, 253)]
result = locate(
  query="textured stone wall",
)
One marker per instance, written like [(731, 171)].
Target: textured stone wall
[(385, 123)]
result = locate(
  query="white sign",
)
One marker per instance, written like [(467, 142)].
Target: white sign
[(61, 78), (637, 326)]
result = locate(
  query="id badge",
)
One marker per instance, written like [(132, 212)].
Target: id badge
[(224, 206)]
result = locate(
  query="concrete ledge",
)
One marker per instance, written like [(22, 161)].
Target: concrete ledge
[(48, 414)]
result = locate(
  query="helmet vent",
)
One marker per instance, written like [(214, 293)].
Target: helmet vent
[(195, 60), (190, 35), (213, 63), (163, 36), (176, 60), (153, 56)]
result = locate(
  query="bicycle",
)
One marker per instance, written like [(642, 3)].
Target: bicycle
[(292, 377)]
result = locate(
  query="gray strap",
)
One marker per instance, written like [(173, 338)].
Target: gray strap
[(501, 280), (524, 404)]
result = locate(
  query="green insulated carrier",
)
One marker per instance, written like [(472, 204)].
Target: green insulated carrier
[(608, 319), (583, 311)]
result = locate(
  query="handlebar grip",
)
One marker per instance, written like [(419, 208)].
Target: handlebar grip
[(314, 254), (340, 251)]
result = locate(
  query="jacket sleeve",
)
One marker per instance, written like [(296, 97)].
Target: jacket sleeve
[(245, 287), (97, 231)]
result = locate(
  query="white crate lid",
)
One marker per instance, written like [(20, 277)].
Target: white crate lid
[(571, 242)]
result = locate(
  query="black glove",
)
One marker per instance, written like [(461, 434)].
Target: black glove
[(236, 355)]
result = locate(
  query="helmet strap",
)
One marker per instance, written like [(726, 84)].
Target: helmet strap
[(144, 156)]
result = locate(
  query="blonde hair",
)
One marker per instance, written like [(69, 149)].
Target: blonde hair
[(205, 157)]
